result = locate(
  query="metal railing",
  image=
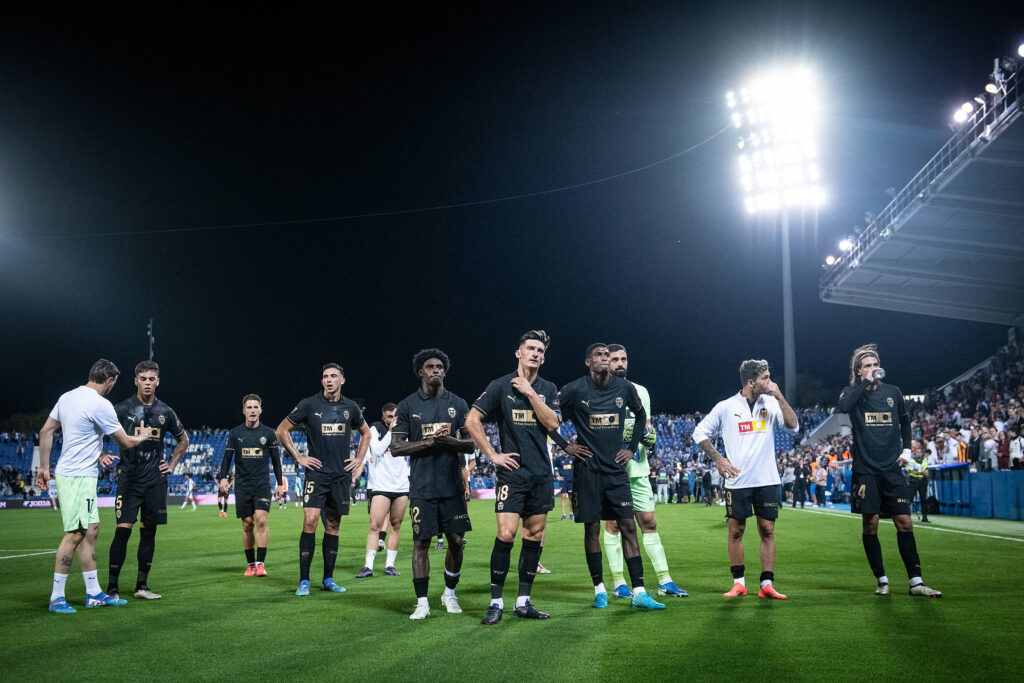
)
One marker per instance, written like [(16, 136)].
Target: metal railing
[(983, 125)]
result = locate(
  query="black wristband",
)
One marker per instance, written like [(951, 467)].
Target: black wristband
[(559, 440)]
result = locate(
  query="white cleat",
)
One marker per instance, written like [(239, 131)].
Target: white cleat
[(883, 589), (422, 611), (924, 591), (451, 603), (146, 594)]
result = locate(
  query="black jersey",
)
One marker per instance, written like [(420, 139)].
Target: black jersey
[(880, 424), (434, 472), (518, 428), (141, 465), (599, 415), (253, 449), (328, 426)]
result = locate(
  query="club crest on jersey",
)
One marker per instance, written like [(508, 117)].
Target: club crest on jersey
[(263, 441), (163, 418), (451, 413), (764, 413), (344, 414), (618, 401), (889, 401)]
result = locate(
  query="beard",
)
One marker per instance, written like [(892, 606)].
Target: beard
[(621, 372)]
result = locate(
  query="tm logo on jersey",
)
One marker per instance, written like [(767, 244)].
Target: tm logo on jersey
[(429, 429), (604, 420), (333, 428), (878, 419), (252, 452), (751, 426), (524, 417)]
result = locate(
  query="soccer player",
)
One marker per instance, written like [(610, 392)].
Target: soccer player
[(298, 489), (747, 423), (598, 404), (85, 417), (388, 483), (881, 445), (328, 419), (190, 492), (638, 470), (563, 468), (142, 477), (51, 491), (222, 500), (253, 447), (425, 430), (523, 406)]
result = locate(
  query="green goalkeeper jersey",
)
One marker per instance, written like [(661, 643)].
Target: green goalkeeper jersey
[(642, 468)]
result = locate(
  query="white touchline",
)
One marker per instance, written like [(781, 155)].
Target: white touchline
[(47, 552), (930, 528)]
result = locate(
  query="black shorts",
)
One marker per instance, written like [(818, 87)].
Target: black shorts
[(760, 501), (248, 502), (223, 495), (329, 495), (880, 494), (150, 498), (525, 499), (390, 495), (566, 489), (598, 496), (433, 516)]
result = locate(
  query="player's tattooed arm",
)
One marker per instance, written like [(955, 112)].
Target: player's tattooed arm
[(177, 454), (724, 466)]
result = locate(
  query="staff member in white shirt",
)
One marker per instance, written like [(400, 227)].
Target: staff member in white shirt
[(747, 424)]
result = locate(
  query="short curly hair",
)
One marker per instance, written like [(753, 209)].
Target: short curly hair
[(423, 355)]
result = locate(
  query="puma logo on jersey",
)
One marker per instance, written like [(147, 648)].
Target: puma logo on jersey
[(416, 415), (132, 418), (511, 397), (586, 403), (320, 415)]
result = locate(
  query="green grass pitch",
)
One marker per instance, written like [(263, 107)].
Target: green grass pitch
[(214, 624)]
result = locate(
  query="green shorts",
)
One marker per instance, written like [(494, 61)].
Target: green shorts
[(643, 496), (77, 496)]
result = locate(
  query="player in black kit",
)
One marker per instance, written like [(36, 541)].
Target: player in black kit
[(425, 430), (253, 447), (328, 419), (598, 404), (881, 446), (142, 476), (523, 406)]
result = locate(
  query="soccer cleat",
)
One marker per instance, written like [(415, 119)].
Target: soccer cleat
[(422, 611), (103, 600), (331, 587), (570, 516), (670, 588), (250, 570), (143, 593), (541, 569), (924, 591), (883, 589), (365, 573), (440, 545), (563, 518), (645, 601), (622, 591), (260, 569), (738, 589), (381, 545), (493, 615), (391, 571), (451, 603), (770, 592), (528, 611), (61, 606), (303, 588), (601, 600)]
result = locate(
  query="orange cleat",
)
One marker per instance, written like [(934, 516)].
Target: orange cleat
[(260, 569), (738, 589), (250, 570), (770, 592)]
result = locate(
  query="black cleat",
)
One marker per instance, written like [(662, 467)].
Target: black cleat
[(493, 616), (528, 611)]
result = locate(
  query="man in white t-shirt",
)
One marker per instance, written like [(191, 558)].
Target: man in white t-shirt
[(387, 485), (747, 423), (85, 417)]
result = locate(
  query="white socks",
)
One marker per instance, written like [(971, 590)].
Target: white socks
[(370, 554), (599, 588), (392, 554), (58, 586), (92, 585)]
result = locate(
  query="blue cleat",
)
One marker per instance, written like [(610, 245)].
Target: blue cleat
[(645, 601), (103, 600), (61, 606), (670, 588), (563, 518), (622, 591), (331, 587), (391, 571), (303, 588), (601, 600), (570, 516), (366, 573)]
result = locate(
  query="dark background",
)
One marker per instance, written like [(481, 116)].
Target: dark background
[(198, 169)]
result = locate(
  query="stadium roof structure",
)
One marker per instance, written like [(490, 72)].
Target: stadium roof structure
[(951, 242)]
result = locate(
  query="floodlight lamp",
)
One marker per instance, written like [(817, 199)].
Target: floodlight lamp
[(967, 107), (830, 260), (980, 100), (960, 116), (739, 145), (1020, 50), (991, 88), (845, 245)]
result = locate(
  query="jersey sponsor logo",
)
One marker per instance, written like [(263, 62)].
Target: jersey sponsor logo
[(154, 432), (333, 428), (252, 452), (618, 402), (604, 420), (523, 417), (751, 426), (878, 419), (431, 428)]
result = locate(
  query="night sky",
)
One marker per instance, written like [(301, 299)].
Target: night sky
[(215, 172)]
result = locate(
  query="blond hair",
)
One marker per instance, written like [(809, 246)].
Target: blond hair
[(859, 354)]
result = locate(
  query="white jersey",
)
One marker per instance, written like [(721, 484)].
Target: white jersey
[(85, 418), (51, 488), (749, 435), (190, 486), (385, 472)]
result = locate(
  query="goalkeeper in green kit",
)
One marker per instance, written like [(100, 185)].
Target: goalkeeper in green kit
[(638, 470)]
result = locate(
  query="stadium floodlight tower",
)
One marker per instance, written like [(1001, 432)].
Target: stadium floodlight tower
[(777, 114)]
